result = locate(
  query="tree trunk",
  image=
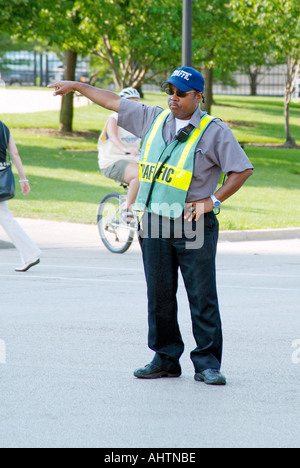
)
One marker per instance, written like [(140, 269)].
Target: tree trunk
[(66, 112), (208, 91), (290, 142), (292, 70), (253, 81)]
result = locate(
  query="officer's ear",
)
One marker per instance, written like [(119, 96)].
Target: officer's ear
[(199, 96)]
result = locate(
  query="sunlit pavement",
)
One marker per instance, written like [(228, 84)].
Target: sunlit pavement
[(74, 328), (21, 101)]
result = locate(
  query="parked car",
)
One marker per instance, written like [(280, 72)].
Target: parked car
[(18, 78)]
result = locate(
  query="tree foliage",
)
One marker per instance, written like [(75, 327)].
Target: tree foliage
[(12, 12), (130, 36), (136, 38), (278, 24), (214, 33)]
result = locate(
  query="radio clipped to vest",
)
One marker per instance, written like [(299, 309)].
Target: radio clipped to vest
[(184, 133)]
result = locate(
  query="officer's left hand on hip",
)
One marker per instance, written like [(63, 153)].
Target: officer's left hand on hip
[(194, 210)]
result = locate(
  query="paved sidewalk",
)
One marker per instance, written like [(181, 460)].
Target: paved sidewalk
[(61, 235), (52, 234), (19, 101)]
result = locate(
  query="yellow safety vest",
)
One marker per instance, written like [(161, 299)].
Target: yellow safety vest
[(173, 182)]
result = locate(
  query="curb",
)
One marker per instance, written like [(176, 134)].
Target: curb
[(227, 236), (260, 235)]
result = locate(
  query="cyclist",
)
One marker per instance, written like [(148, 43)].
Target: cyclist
[(119, 153)]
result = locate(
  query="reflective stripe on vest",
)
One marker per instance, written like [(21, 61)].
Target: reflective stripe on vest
[(170, 175), (173, 183), (157, 123)]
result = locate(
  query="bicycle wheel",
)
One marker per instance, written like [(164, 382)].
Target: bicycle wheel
[(116, 235)]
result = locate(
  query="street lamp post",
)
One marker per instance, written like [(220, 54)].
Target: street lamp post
[(187, 48)]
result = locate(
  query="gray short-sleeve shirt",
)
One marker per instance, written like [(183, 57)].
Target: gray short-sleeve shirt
[(218, 150)]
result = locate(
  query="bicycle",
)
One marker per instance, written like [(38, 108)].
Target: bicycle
[(116, 234)]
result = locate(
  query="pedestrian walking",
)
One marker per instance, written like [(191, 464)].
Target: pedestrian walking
[(183, 155), (28, 250)]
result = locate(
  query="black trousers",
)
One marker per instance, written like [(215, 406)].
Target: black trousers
[(163, 257)]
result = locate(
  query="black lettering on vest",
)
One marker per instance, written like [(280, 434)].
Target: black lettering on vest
[(167, 175), (163, 174), (169, 178), (151, 173)]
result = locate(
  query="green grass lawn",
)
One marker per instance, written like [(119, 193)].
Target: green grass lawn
[(67, 184)]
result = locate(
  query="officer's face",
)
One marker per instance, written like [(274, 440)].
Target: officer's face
[(184, 107)]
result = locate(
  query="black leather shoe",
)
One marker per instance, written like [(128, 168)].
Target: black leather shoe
[(151, 371), (211, 377)]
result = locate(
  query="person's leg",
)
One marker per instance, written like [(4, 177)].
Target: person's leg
[(28, 250), (125, 172), (161, 269), (131, 177), (199, 274)]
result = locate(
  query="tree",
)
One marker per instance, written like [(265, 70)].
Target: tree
[(285, 27), (57, 24), (133, 36), (16, 9), (214, 36), (50, 23), (254, 46), (130, 36), (279, 20)]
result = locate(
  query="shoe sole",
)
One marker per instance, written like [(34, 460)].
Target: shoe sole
[(159, 375), (28, 268), (199, 378)]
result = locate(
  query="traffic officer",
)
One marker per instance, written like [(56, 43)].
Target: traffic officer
[(183, 156)]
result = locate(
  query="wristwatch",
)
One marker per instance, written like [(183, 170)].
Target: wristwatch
[(216, 202)]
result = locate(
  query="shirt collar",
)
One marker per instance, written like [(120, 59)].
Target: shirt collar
[(195, 120)]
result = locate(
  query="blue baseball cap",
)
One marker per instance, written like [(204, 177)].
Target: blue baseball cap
[(186, 79)]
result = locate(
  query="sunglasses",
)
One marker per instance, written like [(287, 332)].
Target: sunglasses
[(181, 94)]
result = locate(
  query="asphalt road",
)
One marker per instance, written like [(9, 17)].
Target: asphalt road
[(74, 329)]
